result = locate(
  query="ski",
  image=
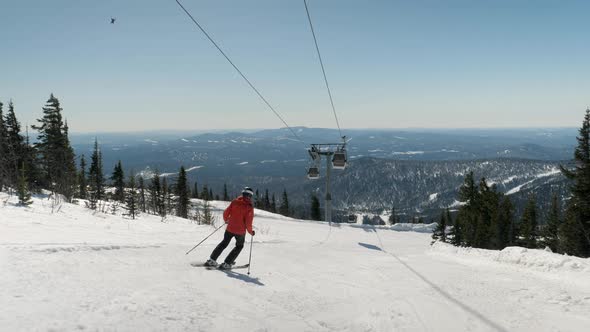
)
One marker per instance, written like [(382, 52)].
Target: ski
[(245, 266), (195, 264)]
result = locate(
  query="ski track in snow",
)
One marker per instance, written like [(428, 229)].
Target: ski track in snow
[(73, 270), (516, 189)]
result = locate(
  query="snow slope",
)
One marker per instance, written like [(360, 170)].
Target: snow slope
[(74, 270)]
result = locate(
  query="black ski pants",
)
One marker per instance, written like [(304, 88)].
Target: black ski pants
[(231, 258)]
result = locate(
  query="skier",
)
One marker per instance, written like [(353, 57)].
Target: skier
[(238, 217)]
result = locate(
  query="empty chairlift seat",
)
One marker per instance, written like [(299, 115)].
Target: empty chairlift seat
[(339, 159), (313, 173)]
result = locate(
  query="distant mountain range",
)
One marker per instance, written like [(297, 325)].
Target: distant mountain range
[(417, 171)]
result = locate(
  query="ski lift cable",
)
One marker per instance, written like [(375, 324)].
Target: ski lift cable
[(238, 70), (322, 65)]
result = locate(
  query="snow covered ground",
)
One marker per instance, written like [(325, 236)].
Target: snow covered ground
[(72, 270)]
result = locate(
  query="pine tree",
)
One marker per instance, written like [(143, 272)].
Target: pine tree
[(448, 217), (24, 195), (273, 204), (257, 200), (182, 194), (67, 184), (266, 201), (550, 231), (580, 189), (468, 192), (205, 193), (392, 217), (284, 208), (118, 178), (571, 233), (131, 199), (171, 199), (315, 208), (487, 221), (528, 224), (57, 156), (96, 177), (468, 215), (196, 191), (456, 233), (504, 226), (3, 151), (225, 194), (15, 152), (156, 194), (141, 186), (15, 145), (210, 194), (30, 161), (165, 199), (82, 179), (440, 230)]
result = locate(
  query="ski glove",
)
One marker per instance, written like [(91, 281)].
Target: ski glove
[(253, 232)]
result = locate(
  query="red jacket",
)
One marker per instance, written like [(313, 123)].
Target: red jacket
[(239, 215)]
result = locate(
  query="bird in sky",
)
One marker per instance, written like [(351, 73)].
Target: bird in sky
[(113, 20)]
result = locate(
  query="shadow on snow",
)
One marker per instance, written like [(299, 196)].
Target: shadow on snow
[(242, 277), (370, 246)]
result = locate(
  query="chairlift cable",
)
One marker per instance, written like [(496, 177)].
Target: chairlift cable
[(322, 65), (238, 70)]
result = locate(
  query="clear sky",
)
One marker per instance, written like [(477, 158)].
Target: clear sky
[(390, 63)]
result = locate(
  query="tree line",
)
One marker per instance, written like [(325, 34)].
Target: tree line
[(486, 219), (50, 163), (268, 203)]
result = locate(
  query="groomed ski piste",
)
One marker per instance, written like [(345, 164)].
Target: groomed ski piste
[(65, 268)]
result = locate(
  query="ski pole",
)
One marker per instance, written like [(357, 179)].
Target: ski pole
[(218, 228), (250, 259)]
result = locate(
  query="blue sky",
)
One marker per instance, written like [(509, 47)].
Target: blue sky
[(391, 64)]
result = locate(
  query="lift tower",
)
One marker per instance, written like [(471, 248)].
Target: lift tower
[(335, 154)]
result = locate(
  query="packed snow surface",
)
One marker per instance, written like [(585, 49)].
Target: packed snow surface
[(65, 268)]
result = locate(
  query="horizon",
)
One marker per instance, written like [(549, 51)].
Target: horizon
[(252, 130)]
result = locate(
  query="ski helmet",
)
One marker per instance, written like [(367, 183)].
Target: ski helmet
[(248, 192)]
